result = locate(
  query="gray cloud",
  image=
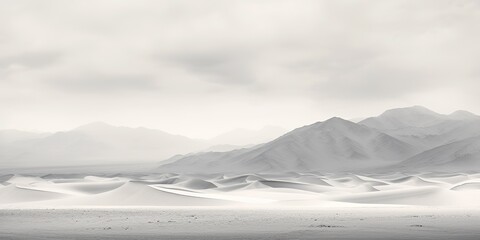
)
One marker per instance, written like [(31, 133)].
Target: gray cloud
[(227, 64), (101, 83), (30, 59), (222, 68), (374, 80)]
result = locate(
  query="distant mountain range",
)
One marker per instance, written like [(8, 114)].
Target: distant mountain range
[(101, 143), (407, 139), (404, 139)]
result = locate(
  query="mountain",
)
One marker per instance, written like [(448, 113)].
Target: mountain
[(463, 115), (400, 118), (10, 135), (446, 142), (463, 155), (418, 121), (243, 137), (97, 143), (424, 128), (333, 145), (397, 140)]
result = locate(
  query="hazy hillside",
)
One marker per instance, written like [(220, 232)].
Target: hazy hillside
[(407, 137), (97, 143), (333, 145), (463, 155)]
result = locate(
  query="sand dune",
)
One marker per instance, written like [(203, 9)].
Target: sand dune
[(407, 196), (475, 186), (15, 194), (196, 184), (432, 189)]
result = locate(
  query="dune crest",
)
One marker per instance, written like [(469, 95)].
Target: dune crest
[(295, 189)]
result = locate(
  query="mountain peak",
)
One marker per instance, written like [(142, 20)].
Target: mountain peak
[(417, 110), (335, 121), (463, 115), (398, 118), (331, 122), (332, 145), (335, 124)]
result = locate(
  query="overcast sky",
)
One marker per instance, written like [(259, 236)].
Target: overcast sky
[(199, 68)]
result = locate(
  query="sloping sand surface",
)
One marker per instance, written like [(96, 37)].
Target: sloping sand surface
[(469, 186), (13, 194), (301, 189)]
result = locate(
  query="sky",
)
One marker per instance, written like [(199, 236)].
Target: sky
[(200, 68)]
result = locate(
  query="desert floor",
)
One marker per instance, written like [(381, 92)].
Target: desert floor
[(376, 222)]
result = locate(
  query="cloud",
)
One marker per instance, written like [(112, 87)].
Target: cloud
[(30, 59), (222, 68), (101, 83), (230, 64)]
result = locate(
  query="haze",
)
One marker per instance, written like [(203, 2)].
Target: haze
[(203, 68)]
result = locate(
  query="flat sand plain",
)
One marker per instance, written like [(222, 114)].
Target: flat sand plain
[(379, 222)]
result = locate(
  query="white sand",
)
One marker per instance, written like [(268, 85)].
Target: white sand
[(249, 206), (257, 190)]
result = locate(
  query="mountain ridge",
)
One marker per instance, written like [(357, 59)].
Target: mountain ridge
[(333, 144), (339, 145), (390, 139)]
